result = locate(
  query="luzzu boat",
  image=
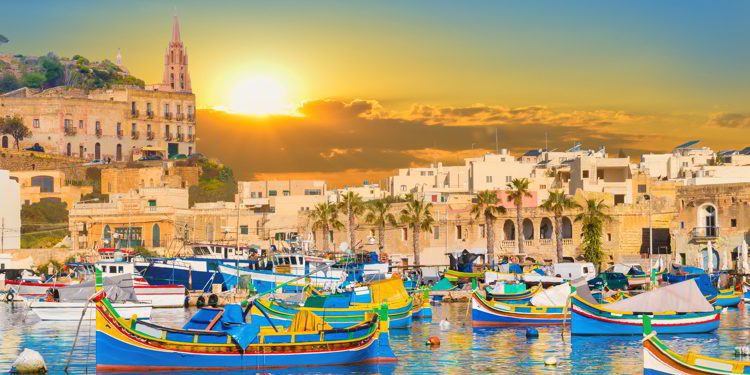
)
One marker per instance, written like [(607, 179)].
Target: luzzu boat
[(676, 308), (225, 341), (727, 298), (454, 275), (522, 297), (265, 280), (493, 313), (658, 358), (345, 309)]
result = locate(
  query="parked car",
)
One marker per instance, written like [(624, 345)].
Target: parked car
[(178, 157), (36, 148), (95, 162), (612, 280), (572, 271), (150, 157)]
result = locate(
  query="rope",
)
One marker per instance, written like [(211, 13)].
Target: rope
[(75, 339)]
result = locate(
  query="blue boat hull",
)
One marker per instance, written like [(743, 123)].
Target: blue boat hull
[(201, 280)]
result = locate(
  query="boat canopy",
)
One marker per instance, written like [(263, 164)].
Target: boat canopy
[(118, 288), (683, 297), (554, 296)]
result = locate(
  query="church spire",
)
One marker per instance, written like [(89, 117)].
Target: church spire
[(176, 76)]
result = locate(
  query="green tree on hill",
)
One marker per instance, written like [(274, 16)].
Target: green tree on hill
[(15, 128), (33, 79), (9, 82), (54, 72)]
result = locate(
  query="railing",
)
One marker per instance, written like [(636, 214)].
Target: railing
[(134, 113), (706, 233), (134, 134), (528, 242), (190, 117), (508, 244), (167, 137), (149, 135), (98, 133), (119, 133), (545, 241), (168, 115), (150, 114), (180, 137), (70, 131), (567, 242), (180, 117), (191, 138)]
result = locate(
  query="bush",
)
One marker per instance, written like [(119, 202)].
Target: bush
[(43, 214)]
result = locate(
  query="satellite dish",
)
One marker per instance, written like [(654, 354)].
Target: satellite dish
[(344, 246)]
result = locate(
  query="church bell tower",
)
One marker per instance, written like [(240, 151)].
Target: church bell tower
[(176, 75)]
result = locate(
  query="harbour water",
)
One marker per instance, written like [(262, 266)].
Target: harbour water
[(464, 349)]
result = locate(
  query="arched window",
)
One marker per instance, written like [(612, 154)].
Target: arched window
[(528, 229), (545, 229), (509, 230), (118, 152), (156, 236), (97, 151), (708, 220), (5, 141), (567, 228)]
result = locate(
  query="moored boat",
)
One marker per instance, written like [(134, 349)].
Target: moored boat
[(727, 298), (658, 358), (228, 342), (493, 313), (72, 311), (521, 297), (676, 308)]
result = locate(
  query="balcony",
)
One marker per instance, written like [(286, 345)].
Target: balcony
[(119, 133), (70, 131), (704, 233), (180, 137), (180, 117), (134, 134), (190, 117), (150, 114), (134, 113), (191, 138), (149, 135), (508, 244), (545, 241), (528, 243), (168, 115), (567, 242), (167, 137), (98, 132)]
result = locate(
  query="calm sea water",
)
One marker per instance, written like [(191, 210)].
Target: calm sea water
[(464, 349)]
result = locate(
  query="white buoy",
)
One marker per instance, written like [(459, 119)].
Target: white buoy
[(29, 362), (724, 310), (445, 325), (550, 361)]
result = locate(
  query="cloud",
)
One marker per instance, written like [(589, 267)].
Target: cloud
[(336, 137), (730, 120)]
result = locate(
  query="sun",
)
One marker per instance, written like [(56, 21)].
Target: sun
[(260, 95)]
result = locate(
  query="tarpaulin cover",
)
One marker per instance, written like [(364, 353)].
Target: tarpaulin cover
[(118, 288), (554, 296), (683, 297), (443, 284)]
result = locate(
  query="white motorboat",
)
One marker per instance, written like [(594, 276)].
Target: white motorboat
[(72, 310)]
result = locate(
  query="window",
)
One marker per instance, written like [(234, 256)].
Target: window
[(459, 232), (190, 130), (148, 128), (542, 187), (119, 127), (148, 107), (313, 192), (609, 237), (423, 173), (285, 193), (166, 108), (272, 193), (642, 188), (133, 127), (152, 202), (430, 173), (68, 123), (585, 174), (404, 234), (482, 231), (243, 229), (179, 109), (488, 179), (403, 187), (600, 174), (35, 122), (733, 223), (80, 124), (619, 198), (436, 232), (508, 179), (98, 125)]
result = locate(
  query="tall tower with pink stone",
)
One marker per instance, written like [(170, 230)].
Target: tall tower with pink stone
[(176, 75)]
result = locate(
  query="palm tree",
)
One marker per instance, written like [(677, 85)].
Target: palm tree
[(417, 215), (592, 218), (352, 205), (487, 205), (325, 217), (518, 188), (378, 213), (557, 203)]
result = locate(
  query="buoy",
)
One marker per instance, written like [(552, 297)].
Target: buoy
[(532, 332), (445, 325), (433, 341), (724, 310), (550, 361), (29, 362), (200, 302), (213, 300), (10, 296)]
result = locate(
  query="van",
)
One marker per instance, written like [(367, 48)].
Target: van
[(570, 271)]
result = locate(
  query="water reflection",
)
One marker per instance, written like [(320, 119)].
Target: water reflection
[(463, 349)]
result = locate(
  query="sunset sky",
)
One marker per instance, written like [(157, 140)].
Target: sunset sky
[(357, 89)]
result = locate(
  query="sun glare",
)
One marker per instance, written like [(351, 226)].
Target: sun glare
[(260, 95)]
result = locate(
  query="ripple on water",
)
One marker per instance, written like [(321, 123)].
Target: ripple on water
[(463, 349)]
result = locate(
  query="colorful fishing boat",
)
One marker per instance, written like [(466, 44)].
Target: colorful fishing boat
[(265, 280), (521, 298), (454, 275), (345, 309), (227, 342), (727, 298), (422, 309), (658, 358), (493, 313), (676, 308)]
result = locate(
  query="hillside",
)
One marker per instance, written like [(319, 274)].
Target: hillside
[(50, 71)]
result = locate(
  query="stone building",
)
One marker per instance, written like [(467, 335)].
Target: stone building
[(111, 123), (168, 175), (716, 213), (39, 185)]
